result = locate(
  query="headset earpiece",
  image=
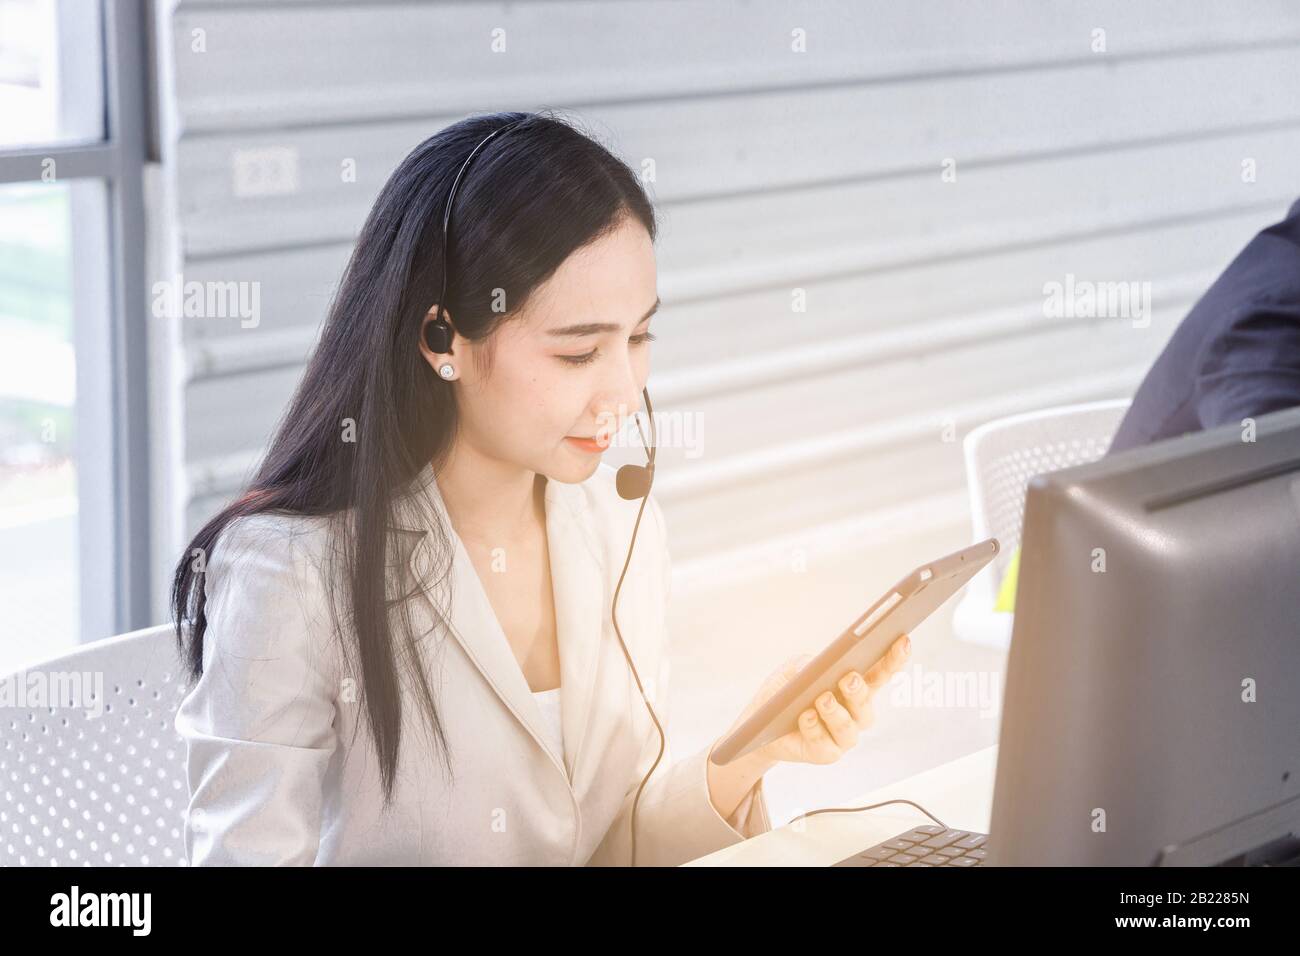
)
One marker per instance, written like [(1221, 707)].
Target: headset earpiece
[(437, 335)]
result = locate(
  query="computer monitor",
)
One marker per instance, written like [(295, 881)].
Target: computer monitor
[(1152, 702)]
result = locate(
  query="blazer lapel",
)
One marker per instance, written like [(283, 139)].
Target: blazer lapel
[(578, 583)]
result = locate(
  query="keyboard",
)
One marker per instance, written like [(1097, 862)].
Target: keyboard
[(925, 846)]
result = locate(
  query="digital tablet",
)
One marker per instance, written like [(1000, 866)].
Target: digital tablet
[(863, 643)]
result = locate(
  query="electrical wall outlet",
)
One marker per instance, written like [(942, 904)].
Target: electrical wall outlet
[(265, 171)]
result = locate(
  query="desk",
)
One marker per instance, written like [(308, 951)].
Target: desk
[(960, 793)]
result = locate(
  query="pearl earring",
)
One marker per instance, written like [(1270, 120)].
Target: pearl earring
[(447, 371)]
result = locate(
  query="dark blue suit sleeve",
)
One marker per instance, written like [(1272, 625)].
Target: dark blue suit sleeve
[(1252, 367)]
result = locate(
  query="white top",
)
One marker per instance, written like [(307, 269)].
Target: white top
[(549, 702)]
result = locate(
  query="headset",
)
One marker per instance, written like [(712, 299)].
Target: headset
[(633, 481)]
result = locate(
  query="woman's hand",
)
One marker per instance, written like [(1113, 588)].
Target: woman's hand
[(824, 734), (830, 729)]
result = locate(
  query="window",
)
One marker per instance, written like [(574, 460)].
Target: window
[(73, 449)]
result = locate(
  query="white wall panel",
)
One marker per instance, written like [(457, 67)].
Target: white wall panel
[(774, 171)]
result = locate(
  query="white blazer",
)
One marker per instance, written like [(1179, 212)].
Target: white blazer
[(281, 771)]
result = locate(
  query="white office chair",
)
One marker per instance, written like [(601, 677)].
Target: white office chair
[(102, 783), (1001, 456)]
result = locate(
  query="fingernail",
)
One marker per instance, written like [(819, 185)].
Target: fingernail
[(826, 699), (854, 683)]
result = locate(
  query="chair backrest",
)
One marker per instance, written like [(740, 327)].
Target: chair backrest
[(1002, 455), (92, 770)]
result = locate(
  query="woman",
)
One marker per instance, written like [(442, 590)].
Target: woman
[(432, 544)]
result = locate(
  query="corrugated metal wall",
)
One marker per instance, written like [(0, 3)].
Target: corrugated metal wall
[(839, 308)]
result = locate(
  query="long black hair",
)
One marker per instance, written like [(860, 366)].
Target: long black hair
[(531, 197)]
